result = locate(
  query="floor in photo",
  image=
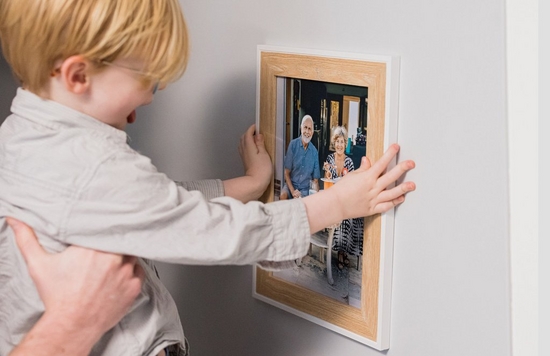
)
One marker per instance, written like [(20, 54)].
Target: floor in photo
[(312, 274)]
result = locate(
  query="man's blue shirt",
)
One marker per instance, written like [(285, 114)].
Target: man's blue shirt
[(302, 163)]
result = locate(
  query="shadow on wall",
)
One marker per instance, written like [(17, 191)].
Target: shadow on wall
[(227, 120), (192, 132), (8, 86)]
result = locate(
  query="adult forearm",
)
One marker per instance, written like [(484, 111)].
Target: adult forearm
[(55, 335)]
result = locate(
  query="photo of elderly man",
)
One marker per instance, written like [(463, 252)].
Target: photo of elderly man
[(301, 164)]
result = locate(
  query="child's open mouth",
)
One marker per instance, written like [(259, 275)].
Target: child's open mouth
[(132, 117)]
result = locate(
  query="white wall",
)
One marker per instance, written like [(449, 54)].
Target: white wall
[(451, 285)]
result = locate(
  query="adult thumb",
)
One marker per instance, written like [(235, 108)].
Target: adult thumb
[(26, 240)]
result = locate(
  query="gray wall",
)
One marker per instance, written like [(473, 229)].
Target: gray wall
[(7, 89), (451, 270)]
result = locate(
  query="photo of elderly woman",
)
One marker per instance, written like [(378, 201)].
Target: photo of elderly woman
[(320, 138), (348, 237)]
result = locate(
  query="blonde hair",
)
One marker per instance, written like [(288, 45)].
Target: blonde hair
[(337, 132), (35, 34)]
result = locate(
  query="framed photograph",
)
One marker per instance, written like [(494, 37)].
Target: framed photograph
[(321, 112)]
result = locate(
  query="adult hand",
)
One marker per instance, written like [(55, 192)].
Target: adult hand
[(85, 292), (296, 194)]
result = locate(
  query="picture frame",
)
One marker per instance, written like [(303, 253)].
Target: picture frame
[(283, 75)]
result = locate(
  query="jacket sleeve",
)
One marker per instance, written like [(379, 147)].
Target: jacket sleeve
[(210, 188), (129, 207)]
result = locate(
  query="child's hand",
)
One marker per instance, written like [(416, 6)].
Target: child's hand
[(371, 183), (257, 168), (256, 161), (361, 192)]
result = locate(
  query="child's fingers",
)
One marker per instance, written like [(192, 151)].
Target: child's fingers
[(384, 207), (394, 174), (395, 194), (249, 134), (379, 166), (26, 241), (388, 205), (247, 139), (260, 143), (244, 141)]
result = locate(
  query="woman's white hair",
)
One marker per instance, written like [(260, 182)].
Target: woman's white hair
[(337, 132)]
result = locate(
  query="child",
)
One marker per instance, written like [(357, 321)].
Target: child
[(67, 171)]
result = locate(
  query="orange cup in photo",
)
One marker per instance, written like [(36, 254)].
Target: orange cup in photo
[(327, 183)]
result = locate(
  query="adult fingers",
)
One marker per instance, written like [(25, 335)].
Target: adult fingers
[(139, 277), (26, 241), (133, 263), (138, 273), (130, 259)]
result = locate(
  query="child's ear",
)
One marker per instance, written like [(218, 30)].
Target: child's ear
[(75, 73)]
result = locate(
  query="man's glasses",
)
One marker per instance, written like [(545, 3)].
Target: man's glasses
[(138, 72)]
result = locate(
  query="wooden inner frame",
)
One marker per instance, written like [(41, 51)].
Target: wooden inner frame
[(364, 321)]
